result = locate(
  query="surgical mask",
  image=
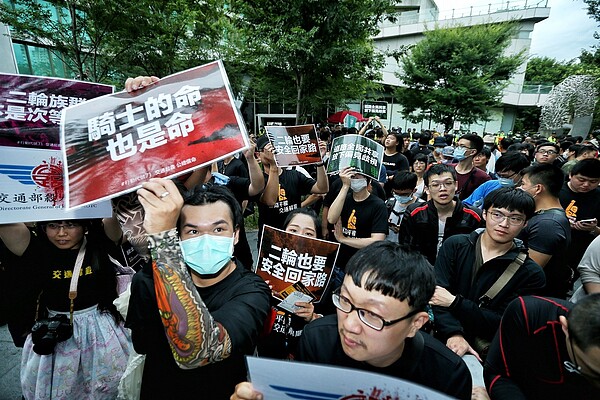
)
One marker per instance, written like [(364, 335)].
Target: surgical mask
[(446, 161), (565, 154), (459, 153), (207, 254), (358, 184), (403, 199), (506, 182), (438, 150)]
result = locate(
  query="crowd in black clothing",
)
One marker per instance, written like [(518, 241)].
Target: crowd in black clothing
[(461, 235)]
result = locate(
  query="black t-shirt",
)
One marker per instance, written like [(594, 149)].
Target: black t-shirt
[(240, 302), (394, 163), (239, 187), (360, 220), (55, 268), (424, 360), (235, 168), (549, 232), (579, 206), (292, 186)]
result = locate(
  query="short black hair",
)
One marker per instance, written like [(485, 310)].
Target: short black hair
[(584, 321), (589, 168), (512, 161), (421, 157), (565, 145), (438, 169), (584, 149), (305, 211), (487, 153), (511, 199), (210, 193), (475, 140), (395, 271), (404, 180), (548, 175), (544, 144)]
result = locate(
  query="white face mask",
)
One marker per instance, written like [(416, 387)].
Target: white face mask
[(358, 184)]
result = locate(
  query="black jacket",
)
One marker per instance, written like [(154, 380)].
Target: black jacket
[(526, 358), (454, 271), (419, 227)]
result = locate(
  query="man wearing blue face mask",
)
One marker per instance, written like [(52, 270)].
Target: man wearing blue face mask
[(403, 188), (509, 168), (360, 218), (468, 176), (195, 311)]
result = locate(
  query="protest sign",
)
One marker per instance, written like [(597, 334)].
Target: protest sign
[(30, 108), (285, 258), (294, 145), (277, 379), (178, 124), (374, 109), (356, 151), (31, 188), (350, 121)]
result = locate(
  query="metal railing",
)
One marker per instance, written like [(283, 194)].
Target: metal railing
[(432, 14), (504, 6)]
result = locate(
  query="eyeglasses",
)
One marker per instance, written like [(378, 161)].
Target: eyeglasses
[(367, 317), (547, 152), (437, 185), (505, 175), (67, 226), (460, 146), (575, 367), (499, 217)]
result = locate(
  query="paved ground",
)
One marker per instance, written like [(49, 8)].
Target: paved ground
[(10, 356), (10, 361)]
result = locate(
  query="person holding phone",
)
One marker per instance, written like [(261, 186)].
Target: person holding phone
[(580, 197)]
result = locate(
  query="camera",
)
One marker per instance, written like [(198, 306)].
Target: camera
[(45, 333)]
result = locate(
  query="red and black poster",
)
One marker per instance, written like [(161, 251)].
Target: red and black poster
[(115, 143)]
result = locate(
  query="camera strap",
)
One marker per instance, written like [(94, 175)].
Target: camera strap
[(75, 277)]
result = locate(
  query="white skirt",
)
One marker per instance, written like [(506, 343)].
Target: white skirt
[(88, 365)]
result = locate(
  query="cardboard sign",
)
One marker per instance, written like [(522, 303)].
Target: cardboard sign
[(356, 151), (31, 188), (277, 379), (294, 145), (176, 125), (31, 106), (286, 258)]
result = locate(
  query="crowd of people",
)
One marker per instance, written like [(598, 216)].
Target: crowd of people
[(465, 245)]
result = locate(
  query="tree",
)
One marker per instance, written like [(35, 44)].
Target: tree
[(315, 50), (457, 74), (74, 31), (105, 40), (547, 71)]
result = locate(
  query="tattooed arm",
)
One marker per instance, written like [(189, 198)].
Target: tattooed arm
[(195, 338)]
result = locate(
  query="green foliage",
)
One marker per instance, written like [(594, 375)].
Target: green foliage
[(457, 74), (315, 51), (106, 40), (547, 71)]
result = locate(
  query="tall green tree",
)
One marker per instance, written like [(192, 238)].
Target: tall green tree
[(106, 40), (317, 50), (74, 30), (457, 74), (547, 71)]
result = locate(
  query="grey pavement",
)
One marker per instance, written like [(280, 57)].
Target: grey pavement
[(10, 356), (10, 362)]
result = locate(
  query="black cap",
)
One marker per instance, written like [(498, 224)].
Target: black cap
[(261, 142)]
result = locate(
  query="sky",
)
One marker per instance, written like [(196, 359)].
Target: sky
[(562, 36)]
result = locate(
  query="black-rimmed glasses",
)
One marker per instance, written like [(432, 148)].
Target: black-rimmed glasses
[(367, 317)]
